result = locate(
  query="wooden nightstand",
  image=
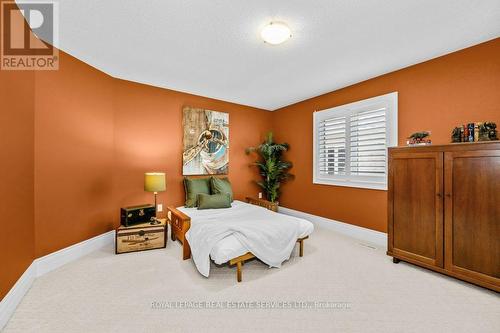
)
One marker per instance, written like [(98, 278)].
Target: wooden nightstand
[(141, 237)]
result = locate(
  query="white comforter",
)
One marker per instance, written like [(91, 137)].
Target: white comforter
[(270, 236)]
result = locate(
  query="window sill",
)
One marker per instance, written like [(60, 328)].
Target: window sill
[(355, 184)]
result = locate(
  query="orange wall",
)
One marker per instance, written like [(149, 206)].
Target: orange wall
[(436, 95), (148, 137), (95, 136), (74, 126), (16, 176), (17, 91)]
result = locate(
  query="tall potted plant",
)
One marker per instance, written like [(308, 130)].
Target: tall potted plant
[(272, 168)]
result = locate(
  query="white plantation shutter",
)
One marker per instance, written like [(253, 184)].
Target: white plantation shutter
[(368, 143), (332, 139), (350, 142)]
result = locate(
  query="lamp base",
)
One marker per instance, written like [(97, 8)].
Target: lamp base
[(154, 221)]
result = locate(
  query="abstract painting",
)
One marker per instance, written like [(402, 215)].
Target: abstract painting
[(206, 142)]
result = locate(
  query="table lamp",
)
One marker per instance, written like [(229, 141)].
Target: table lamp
[(154, 182)]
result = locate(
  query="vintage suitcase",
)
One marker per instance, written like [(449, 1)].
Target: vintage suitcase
[(136, 214), (141, 237)]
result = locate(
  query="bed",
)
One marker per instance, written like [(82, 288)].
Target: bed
[(271, 236)]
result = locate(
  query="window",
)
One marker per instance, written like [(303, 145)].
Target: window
[(350, 142)]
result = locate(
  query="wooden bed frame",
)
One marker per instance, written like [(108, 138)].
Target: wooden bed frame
[(180, 224)]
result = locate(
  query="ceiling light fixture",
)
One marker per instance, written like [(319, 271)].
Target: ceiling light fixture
[(276, 33)]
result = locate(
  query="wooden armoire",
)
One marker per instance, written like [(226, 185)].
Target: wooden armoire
[(444, 209)]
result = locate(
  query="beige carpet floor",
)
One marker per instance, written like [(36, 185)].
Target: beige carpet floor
[(107, 293)]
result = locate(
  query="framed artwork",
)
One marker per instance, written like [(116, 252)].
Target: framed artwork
[(206, 142)]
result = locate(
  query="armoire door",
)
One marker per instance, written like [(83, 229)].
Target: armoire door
[(472, 214), (416, 206)]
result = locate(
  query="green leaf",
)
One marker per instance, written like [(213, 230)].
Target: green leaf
[(272, 169)]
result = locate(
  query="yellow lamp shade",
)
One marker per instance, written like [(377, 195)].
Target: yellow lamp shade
[(154, 182)]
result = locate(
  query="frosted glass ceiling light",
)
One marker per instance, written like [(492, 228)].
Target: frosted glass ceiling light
[(276, 33)]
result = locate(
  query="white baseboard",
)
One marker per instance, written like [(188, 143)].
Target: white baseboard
[(10, 301), (45, 264), (71, 253), (367, 235)]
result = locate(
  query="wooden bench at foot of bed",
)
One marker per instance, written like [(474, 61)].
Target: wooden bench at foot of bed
[(239, 261), (180, 224)]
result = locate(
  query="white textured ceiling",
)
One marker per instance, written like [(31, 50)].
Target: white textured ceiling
[(212, 47)]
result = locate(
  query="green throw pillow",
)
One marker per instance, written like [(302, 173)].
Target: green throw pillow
[(221, 185), (207, 201), (193, 187)]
